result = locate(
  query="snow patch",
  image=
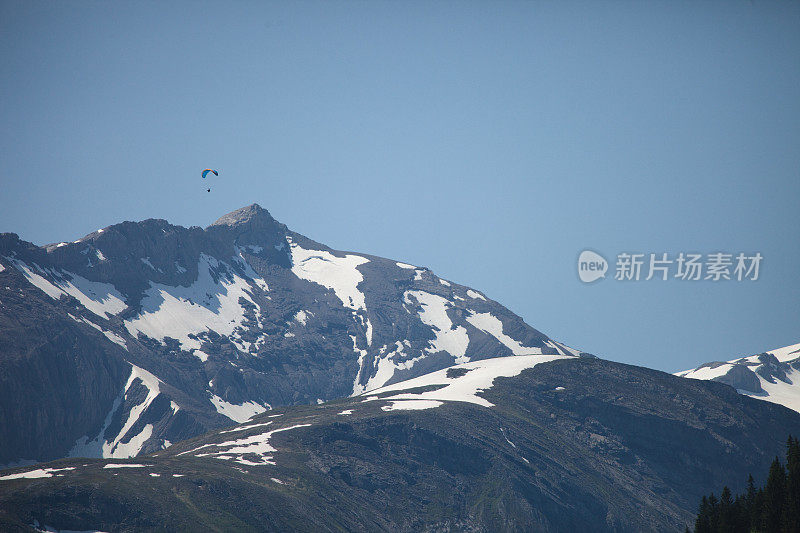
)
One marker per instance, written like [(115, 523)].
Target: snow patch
[(121, 465), (787, 353), (780, 392), (362, 354), (35, 474), (116, 448), (563, 349), (98, 447), (235, 450), (405, 265), (204, 305), (249, 272), (388, 363), (110, 335), (238, 413), (411, 405), (247, 427), (102, 299), (339, 274), (707, 372), (465, 388), (475, 295), (492, 325), (434, 314), (503, 431)]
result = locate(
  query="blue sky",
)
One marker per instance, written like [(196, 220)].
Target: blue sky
[(489, 141)]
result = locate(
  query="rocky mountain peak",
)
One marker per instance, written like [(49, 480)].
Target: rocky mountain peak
[(252, 214), (253, 225)]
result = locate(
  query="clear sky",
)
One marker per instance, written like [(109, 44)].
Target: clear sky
[(489, 141)]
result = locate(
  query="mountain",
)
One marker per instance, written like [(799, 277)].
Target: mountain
[(143, 334), (773, 376), (525, 443)]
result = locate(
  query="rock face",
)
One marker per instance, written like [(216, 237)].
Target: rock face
[(529, 443), (773, 376), (142, 334)]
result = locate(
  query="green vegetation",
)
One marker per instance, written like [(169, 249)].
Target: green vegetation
[(774, 508)]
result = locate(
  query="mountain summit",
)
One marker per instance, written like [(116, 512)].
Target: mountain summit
[(145, 333), (253, 214)]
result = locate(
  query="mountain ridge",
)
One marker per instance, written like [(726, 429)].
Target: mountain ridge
[(772, 376), (528, 443), (229, 320)]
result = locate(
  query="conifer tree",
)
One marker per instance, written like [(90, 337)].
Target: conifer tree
[(775, 508), (775, 498), (726, 519), (792, 510), (703, 522)]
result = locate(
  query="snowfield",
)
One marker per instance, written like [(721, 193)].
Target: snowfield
[(775, 390), (116, 448), (102, 299), (256, 446), (434, 313), (490, 324), (479, 376), (340, 274), (238, 413), (35, 474), (204, 305)]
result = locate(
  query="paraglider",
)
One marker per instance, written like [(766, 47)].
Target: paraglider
[(205, 173)]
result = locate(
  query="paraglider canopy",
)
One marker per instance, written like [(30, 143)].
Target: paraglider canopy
[(206, 171)]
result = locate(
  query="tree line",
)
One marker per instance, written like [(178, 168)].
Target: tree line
[(773, 508)]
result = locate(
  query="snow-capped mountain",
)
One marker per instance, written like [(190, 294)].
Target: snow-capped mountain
[(526, 443), (139, 335), (773, 376)]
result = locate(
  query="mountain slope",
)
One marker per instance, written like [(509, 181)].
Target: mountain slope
[(558, 444), (143, 334), (773, 376)]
